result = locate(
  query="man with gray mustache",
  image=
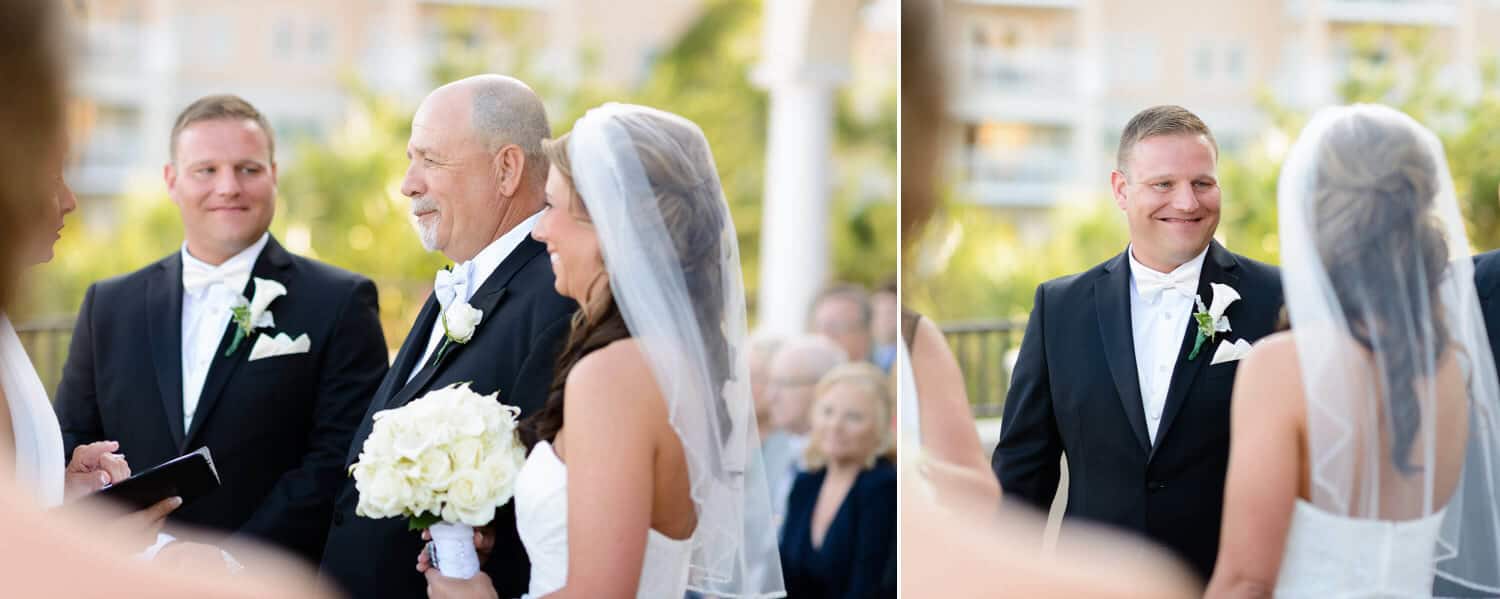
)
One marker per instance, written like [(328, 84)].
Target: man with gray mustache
[(476, 179)]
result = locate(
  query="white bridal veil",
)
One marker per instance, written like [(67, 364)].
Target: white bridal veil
[(651, 188), (1402, 400)]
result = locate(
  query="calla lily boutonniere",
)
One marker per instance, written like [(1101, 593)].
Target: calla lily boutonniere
[(1211, 320), (254, 314)]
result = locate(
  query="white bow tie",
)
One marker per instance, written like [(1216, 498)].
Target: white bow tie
[(197, 276), (451, 284), (1151, 284)]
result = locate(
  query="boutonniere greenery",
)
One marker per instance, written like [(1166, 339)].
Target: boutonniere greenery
[(1211, 320), (251, 315)]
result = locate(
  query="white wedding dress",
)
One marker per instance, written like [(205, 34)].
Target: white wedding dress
[(1328, 555), (542, 521), (38, 437)]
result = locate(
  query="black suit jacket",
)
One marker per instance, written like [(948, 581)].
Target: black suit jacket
[(1075, 391), (1487, 283), (513, 351), (859, 542), (278, 427)]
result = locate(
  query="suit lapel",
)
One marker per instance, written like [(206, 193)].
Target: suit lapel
[(272, 264), (416, 343), (1112, 303), (1219, 266), (164, 321), (486, 299)]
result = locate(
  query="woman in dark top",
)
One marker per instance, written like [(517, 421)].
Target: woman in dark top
[(840, 525)]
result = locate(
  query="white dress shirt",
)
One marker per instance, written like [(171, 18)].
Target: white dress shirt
[(485, 264), (205, 314), (1158, 322)]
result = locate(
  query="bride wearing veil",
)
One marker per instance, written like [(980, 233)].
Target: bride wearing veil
[(1363, 456), (644, 477)]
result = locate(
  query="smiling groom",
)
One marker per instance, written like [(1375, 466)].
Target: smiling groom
[(267, 358), (1126, 369)]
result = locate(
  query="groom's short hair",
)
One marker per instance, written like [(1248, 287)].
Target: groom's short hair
[(1166, 119), (226, 107)]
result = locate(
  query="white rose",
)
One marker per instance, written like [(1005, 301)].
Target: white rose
[(435, 469), (460, 320), (466, 453), (380, 493), (501, 471), (469, 500)]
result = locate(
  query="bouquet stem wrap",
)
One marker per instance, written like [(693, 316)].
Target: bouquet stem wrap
[(453, 549)]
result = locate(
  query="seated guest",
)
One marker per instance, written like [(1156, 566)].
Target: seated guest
[(763, 348), (843, 313), (794, 373), (841, 517)]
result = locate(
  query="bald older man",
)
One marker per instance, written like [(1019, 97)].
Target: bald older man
[(476, 182), (794, 374)]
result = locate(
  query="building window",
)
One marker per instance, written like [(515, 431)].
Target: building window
[(1203, 62), (282, 39), (1234, 62), (318, 42)]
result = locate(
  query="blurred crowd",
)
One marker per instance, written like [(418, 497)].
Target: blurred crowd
[(825, 402)]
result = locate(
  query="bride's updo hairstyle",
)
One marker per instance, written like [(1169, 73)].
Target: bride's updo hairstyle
[(1385, 253), (688, 199)]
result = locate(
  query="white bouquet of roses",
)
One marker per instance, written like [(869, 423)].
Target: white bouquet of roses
[(445, 461)]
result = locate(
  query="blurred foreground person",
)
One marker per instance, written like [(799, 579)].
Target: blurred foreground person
[(46, 551)]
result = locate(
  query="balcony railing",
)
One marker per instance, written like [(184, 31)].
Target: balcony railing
[(1036, 72), (46, 343), (986, 354), (1025, 177)]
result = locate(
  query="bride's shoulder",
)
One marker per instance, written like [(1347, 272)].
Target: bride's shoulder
[(619, 368)]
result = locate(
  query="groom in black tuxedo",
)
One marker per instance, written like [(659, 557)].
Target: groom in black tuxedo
[(477, 181), (1111, 371), (155, 363)]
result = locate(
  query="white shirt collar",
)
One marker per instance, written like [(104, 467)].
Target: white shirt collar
[(246, 259), (1194, 266), (489, 258)]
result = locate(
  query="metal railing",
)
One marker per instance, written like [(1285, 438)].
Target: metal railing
[(46, 342), (986, 353)]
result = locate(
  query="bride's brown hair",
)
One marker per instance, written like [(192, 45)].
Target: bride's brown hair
[(688, 198)]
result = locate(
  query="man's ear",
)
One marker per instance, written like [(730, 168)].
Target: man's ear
[(510, 165), (1117, 185)]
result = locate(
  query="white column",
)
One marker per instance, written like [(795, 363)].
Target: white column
[(160, 106), (1317, 70), (805, 58)]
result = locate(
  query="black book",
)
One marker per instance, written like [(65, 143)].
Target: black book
[(188, 476)]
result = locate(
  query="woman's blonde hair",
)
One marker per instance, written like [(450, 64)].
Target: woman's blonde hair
[(877, 386)]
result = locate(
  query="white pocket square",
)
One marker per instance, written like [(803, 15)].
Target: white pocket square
[(267, 346), (1229, 352)]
